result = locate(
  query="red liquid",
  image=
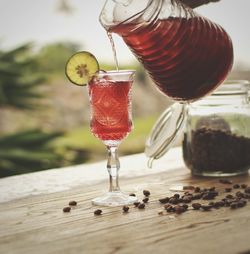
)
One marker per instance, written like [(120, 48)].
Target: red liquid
[(110, 105), (186, 58)]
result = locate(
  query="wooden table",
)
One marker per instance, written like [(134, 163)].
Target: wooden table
[(32, 220)]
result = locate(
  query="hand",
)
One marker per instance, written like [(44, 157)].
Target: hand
[(196, 3)]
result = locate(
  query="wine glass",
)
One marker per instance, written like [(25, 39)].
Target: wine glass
[(111, 122)]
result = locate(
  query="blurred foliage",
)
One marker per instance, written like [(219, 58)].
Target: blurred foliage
[(52, 57), (18, 79), (28, 151)]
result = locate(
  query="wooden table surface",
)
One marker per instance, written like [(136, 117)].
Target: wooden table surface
[(32, 221)]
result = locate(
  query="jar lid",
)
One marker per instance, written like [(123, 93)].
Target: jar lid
[(165, 131)]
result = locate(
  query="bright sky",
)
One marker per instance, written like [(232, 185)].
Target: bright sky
[(39, 21)]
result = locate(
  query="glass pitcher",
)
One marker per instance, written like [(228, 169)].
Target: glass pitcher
[(186, 55)]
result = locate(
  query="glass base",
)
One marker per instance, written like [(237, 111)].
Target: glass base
[(114, 199)]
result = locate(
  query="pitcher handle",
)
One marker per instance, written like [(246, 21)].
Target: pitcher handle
[(165, 131)]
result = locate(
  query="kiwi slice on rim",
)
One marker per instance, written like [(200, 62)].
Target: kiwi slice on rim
[(81, 67)]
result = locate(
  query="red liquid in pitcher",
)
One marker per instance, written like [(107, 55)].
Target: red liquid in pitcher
[(186, 58), (110, 106)]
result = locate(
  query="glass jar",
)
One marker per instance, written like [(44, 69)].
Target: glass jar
[(217, 133)]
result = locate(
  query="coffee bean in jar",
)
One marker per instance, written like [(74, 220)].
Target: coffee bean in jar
[(217, 135)]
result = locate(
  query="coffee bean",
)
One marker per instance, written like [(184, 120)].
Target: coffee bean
[(173, 201), (66, 209), (145, 200), (241, 203), (185, 206), (146, 193), (177, 195), (136, 203), (197, 189), (228, 189), (229, 196), (125, 209), (197, 196), (160, 212), (196, 206), (170, 209), (98, 212), (240, 194), (164, 200), (236, 186), (132, 195), (217, 204), (243, 186), (186, 199), (247, 190), (73, 203), (141, 206), (179, 209), (167, 206), (206, 207), (233, 205)]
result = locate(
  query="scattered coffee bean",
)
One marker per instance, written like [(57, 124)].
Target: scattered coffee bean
[(243, 186), (196, 206), (179, 209), (242, 203), (160, 212), (228, 189), (170, 209), (177, 195), (208, 196), (136, 203), (141, 206), (132, 195), (146, 193), (247, 190), (164, 200), (217, 204), (197, 196), (197, 189), (173, 201), (73, 203), (66, 209), (236, 186), (185, 206), (225, 181), (167, 206), (211, 189), (206, 207), (145, 200), (229, 196), (233, 205), (240, 194), (98, 212), (125, 209), (186, 199)]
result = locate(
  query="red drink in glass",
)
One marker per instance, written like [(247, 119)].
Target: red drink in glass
[(111, 122), (110, 105)]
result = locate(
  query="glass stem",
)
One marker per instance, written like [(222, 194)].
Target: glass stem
[(113, 166)]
